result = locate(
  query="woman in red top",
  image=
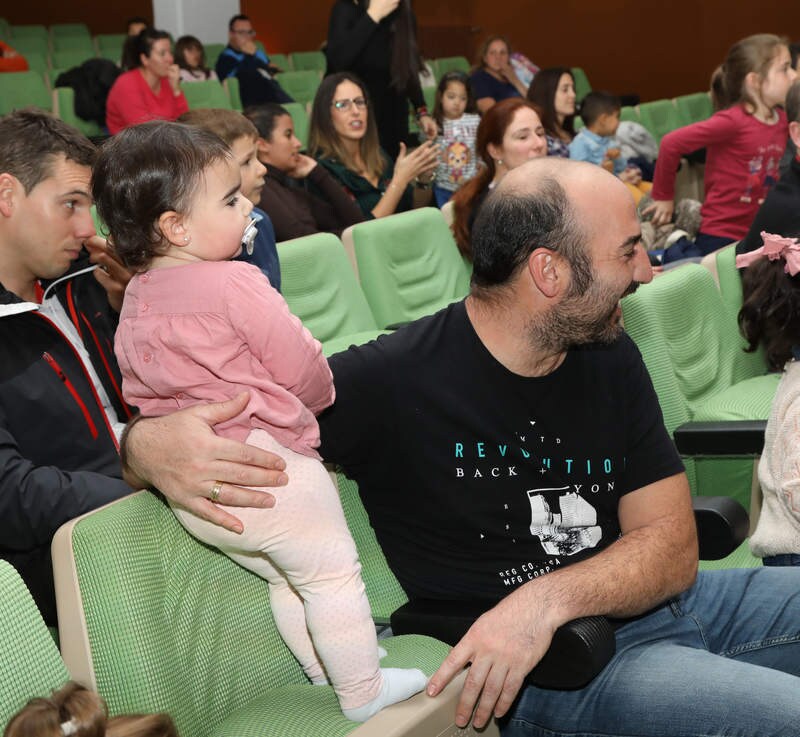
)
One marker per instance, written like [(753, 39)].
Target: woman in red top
[(150, 91)]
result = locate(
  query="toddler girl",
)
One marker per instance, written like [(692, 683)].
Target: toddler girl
[(196, 327), (770, 316), (744, 142), (73, 710), (457, 121)]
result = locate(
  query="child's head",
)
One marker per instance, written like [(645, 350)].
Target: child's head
[(770, 313), (453, 97), (756, 73), (189, 53), (600, 112), (165, 188), (74, 710), (242, 139)]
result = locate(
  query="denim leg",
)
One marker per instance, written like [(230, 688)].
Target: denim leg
[(722, 660)]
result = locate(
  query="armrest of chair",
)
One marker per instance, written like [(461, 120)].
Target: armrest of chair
[(579, 651), (722, 525), (736, 437)]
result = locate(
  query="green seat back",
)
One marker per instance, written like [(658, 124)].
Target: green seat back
[(22, 89), (659, 117), (300, 119), (582, 85), (320, 287), (213, 51), (30, 665), (283, 62), (176, 626), (409, 265), (83, 44), (37, 62), (65, 103), (449, 64), (5, 29), (70, 58), (306, 61), (300, 86), (62, 30), (629, 113), (31, 44), (207, 93), (690, 346), (231, 84), (109, 45), (694, 108), (578, 123), (19, 32)]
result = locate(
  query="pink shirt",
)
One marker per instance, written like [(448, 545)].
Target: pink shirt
[(742, 156), (209, 330), (131, 101)]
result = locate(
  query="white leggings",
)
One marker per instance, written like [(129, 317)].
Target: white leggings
[(303, 548)]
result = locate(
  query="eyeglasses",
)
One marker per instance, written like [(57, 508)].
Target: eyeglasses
[(344, 105), (248, 32)]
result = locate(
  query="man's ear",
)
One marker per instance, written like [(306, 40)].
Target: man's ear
[(546, 270), (794, 133), (173, 228), (10, 188)]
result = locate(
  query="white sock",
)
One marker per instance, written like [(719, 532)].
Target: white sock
[(399, 684), (381, 653)]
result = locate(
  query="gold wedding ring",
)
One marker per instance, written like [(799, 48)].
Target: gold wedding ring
[(216, 490)]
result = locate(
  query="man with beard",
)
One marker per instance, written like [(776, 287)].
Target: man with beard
[(511, 447)]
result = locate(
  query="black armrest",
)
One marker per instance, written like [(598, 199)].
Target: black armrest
[(722, 525), (579, 651), (736, 437)]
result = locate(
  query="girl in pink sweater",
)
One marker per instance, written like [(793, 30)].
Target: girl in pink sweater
[(744, 142), (196, 327)]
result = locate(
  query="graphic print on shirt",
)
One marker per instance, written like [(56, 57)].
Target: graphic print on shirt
[(761, 177), (458, 160), (569, 531)]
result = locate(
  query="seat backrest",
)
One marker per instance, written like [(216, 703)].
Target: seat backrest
[(659, 117), (68, 58), (449, 64), (409, 265), (34, 30), (582, 85), (629, 113), (307, 60), (30, 665), (300, 119), (212, 50), (678, 322), (82, 43), (26, 44), (206, 93), (694, 108), (231, 85), (300, 86), (161, 622), (59, 30), (64, 108), (321, 289), (109, 45), (22, 89)]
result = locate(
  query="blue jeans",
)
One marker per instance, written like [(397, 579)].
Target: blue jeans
[(442, 196), (721, 660), (784, 559)]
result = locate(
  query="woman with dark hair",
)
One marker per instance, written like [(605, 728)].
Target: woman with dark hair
[(493, 77), (299, 196), (377, 40), (343, 138), (191, 59), (553, 92), (151, 90), (510, 134)]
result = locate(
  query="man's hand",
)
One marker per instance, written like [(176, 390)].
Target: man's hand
[(112, 275), (248, 46), (503, 646), (181, 456)]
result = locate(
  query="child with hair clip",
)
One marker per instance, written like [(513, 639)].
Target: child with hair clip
[(196, 327), (744, 141), (74, 711), (770, 316), (457, 122)]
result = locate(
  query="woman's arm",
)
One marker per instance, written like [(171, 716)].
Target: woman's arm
[(349, 30), (347, 209)]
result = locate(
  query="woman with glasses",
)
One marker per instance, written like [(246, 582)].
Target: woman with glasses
[(377, 40), (343, 138), (149, 91)]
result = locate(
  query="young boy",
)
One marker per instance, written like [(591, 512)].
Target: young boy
[(242, 137), (596, 142)]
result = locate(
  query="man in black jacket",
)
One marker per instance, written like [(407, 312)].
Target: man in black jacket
[(61, 409)]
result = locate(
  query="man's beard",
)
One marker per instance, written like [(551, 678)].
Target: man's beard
[(579, 319)]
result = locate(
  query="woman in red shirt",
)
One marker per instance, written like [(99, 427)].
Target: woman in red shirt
[(151, 90)]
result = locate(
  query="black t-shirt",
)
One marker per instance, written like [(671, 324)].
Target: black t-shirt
[(477, 480)]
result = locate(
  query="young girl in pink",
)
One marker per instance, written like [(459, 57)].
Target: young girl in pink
[(196, 327), (744, 142)]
